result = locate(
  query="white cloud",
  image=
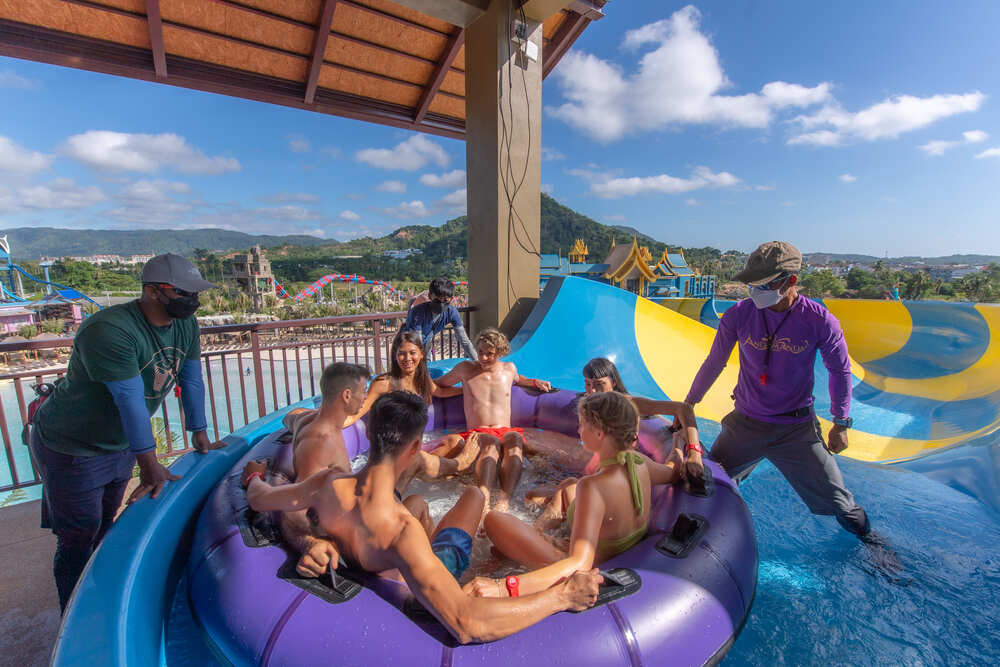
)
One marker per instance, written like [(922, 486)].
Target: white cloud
[(546, 188), (678, 82), (282, 197), (692, 202), (391, 186), (289, 213), (938, 147), (17, 159), (701, 177), (821, 138), (456, 202), (409, 155), (885, 120), (118, 151), (551, 154), (151, 203), (10, 79), (763, 188), (847, 178), (407, 210), (451, 179), (298, 144), (332, 152), (355, 196), (989, 152), (60, 193), (350, 216)]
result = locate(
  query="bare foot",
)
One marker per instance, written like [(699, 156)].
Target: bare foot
[(469, 453), (503, 502)]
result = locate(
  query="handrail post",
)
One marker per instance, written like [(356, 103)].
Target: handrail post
[(258, 370), (376, 329)]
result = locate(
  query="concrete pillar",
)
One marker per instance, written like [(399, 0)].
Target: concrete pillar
[(503, 120)]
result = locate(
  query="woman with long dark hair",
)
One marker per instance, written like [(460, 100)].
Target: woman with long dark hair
[(600, 374)]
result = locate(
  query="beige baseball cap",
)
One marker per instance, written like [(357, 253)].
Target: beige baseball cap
[(769, 261)]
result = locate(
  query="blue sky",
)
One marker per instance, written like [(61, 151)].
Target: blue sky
[(844, 127)]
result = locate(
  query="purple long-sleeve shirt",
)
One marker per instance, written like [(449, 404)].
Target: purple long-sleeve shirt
[(809, 327)]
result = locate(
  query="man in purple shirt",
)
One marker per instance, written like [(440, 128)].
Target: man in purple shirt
[(779, 334)]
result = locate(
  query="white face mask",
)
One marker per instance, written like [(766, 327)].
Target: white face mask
[(765, 298)]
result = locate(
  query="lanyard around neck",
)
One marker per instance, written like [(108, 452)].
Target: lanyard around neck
[(770, 342)]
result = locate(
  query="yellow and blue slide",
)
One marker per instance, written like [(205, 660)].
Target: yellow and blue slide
[(926, 374)]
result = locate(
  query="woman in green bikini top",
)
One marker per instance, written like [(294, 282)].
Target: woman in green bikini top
[(608, 512)]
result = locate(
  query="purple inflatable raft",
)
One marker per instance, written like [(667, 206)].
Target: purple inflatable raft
[(679, 597)]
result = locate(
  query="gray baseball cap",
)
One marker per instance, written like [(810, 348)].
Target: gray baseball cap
[(175, 270), (769, 261)]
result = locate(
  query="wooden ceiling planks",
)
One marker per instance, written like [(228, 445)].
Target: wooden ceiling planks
[(379, 61)]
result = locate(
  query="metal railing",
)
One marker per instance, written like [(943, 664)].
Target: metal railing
[(249, 370)]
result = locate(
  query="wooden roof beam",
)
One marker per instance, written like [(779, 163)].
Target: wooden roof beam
[(319, 48), (20, 40), (156, 38), (571, 28), (455, 43)]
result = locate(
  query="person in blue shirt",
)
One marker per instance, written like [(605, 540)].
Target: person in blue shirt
[(431, 317)]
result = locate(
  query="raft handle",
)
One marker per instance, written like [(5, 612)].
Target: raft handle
[(618, 583), (687, 532), (702, 487), (332, 587)]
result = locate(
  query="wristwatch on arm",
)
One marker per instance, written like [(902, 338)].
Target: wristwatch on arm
[(844, 422)]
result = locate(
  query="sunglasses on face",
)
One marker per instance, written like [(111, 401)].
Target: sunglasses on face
[(774, 284), (442, 300), (179, 292)]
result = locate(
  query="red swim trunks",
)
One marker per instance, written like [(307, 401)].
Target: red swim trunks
[(498, 433)]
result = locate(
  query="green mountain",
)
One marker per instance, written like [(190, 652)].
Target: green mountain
[(31, 243), (827, 257)]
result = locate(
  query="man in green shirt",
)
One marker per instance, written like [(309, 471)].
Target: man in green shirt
[(96, 426)]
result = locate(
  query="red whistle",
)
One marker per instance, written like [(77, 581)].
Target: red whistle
[(763, 378), (177, 390)]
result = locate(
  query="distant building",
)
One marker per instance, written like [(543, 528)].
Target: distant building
[(13, 316), (402, 254), (252, 273), (631, 267)]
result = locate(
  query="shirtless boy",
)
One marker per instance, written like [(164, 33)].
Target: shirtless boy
[(371, 528), (318, 444), (486, 386)]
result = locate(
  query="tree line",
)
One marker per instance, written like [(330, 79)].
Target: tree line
[(980, 286)]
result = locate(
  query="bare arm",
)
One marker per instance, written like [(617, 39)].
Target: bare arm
[(683, 413), (664, 473), (377, 388), (471, 619), (263, 497), (454, 376), (587, 520), (444, 392)]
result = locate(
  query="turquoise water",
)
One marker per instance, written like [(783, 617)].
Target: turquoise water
[(822, 600)]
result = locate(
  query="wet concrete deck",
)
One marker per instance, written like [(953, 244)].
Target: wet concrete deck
[(29, 606)]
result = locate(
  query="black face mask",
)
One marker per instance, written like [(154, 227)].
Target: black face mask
[(182, 307), (437, 307)]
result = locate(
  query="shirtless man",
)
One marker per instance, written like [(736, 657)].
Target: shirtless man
[(372, 529), (486, 386), (318, 444)]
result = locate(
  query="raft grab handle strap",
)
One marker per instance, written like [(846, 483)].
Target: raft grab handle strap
[(702, 487), (618, 583), (332, 587), (684, 536)]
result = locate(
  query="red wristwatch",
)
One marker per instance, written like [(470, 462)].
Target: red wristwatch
[(696, 446), (512, 585), (256, 473)]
